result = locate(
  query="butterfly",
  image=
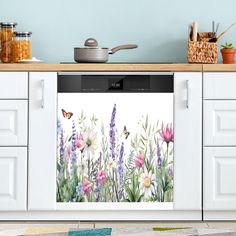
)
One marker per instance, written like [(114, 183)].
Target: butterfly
[(126, 132), (66, 115)]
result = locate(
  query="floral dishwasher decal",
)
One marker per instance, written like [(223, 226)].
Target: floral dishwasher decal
[(115, 147)]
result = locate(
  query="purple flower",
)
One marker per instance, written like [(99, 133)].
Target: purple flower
[(79, 189), (98, 185), (121, 172), (59, 126), (73, 148), (62, 151), (159, 160), (112, 133), (97, 190), (170, 172)]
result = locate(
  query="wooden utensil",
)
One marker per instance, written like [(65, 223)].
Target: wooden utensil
[(195, 29), (215, 39)]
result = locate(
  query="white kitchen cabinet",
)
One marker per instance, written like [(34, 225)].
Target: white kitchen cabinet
[(14, 85), (13, 122), (219, 178), (219, 156), (188, 141), (42, 140), (219, 85), (13, 178), (219, 123)]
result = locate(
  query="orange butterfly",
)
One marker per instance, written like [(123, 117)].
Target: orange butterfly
[(126, 133), (66, 115)]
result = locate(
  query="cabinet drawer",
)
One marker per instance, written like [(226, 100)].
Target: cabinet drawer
[(13, 85), (13, 122), (219, 85), (219, 175), (13, 176), (219, 123)]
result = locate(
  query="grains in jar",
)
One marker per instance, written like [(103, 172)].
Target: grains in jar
[(7, 37), (21, 46)]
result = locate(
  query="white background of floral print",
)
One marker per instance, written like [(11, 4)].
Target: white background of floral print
[(130, 108)]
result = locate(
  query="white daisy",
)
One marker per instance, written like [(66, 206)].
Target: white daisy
[(146, 183), (90, 142)]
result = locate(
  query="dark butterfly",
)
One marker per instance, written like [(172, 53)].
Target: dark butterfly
[(126, 132), (66, 115)]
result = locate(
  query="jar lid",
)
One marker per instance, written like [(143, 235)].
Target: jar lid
[(8, 24), (22, 34)]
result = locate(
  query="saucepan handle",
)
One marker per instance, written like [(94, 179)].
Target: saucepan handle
[(121, 47)]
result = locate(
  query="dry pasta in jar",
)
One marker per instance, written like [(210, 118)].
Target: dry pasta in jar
[(21, 46), (7, 37)]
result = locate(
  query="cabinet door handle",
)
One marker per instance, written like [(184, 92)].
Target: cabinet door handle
[(42, 98), (188, 93)]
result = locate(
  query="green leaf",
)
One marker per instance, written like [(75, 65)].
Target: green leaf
[(130, 194), (146, 122)]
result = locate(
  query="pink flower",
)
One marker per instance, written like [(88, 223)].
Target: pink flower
[(80, 143), (87, 187), (67, 153), (139, 161), (167, 133), (101, 177)]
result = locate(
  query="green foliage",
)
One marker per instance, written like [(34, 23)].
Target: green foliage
[(227, 46), (132, 191)]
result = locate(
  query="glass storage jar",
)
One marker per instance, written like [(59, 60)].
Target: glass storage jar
[(7, 37), (21, 46)]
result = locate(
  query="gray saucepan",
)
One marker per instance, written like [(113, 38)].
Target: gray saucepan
[(94, 54)]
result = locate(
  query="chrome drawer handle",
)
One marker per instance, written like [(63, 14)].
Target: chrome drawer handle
[(42, 98), (187, 87)]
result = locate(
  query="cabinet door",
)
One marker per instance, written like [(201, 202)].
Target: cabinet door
[(14, 85), (219, 85), (13, 122), (188, 141), (13, 178), (219, 123), (219, 178), (42, 140)]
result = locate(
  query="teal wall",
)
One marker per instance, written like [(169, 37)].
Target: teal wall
[(159, 27)]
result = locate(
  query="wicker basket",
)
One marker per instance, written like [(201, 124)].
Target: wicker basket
[(202, 51)]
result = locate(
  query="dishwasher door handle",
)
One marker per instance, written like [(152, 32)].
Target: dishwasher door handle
[(42, 96), (188, 94)]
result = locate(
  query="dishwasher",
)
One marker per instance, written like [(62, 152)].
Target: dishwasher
[(115, 138)]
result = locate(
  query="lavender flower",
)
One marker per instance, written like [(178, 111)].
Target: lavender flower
[(59, 126), (112, 133), (79, 189), (73, 148), (159, 161), (121, 172), (170, 172), (97, 190), (100, 160), (62, 150)]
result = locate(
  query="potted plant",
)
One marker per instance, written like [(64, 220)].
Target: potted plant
[(228, 53)]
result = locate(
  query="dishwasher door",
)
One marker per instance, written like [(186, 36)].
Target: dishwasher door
[(115, 138)]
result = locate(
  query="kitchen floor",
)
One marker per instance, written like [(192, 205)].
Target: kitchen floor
[(119, 228)]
